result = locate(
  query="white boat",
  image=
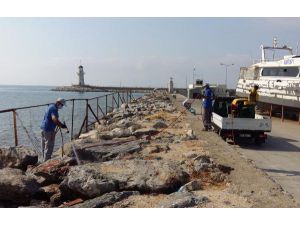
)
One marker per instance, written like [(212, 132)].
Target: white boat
[(278, 79)]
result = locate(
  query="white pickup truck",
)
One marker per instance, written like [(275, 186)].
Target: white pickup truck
[(237, 129)]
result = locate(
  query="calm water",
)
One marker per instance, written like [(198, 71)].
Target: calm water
[(19, 96)]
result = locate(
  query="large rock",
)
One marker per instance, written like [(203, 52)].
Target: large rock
[(157, 148), (160, 124), (203, 159), (194, 185), (53, 170), (106, 199), (124, 106), (17, 157), (51, 194), (116, 132), (105, 151), (121, 115), (190, 154), (183, 200), (119, 132), (93, 134), (218, 177), (87, 182), (203, 163), (145, 176), (122, 122), (16, 186), (170, 109), (48, 191), (134, 127), (145, 131), (105, 136)]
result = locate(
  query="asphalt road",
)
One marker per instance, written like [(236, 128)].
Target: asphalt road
[(279, 157)]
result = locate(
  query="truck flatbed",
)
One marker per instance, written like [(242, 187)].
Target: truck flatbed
[(259, 123), (236, 128)]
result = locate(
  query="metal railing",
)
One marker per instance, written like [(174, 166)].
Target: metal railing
[(111, 100)]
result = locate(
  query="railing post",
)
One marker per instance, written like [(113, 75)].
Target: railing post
[(106, 104), (87, 115), (118, 100), (15, 127), (127, 96), (271, 109), (97, 107), (112, 102), (72, 126)]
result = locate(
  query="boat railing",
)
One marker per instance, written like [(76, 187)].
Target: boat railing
[(266, 60)]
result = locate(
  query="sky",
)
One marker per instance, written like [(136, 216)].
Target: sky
[(135, 51)]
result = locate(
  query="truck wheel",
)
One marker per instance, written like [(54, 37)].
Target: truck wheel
[(221, 134), (257, 141)]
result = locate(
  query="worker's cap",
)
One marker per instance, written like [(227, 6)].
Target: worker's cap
[(206, 85), (256, 86), (61, 101)]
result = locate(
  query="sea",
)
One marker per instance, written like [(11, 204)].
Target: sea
[(29, 120)]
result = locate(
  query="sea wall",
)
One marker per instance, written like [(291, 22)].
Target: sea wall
[(143, 154)]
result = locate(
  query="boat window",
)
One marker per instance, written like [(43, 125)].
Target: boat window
[(280, 71)]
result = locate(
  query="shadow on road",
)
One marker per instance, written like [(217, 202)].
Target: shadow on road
[(273, 144), (289, 173)]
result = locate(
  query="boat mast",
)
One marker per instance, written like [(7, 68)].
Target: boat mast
[(274, 46)]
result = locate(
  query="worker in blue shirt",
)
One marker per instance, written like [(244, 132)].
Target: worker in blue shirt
[(48, 125), (207, 107)]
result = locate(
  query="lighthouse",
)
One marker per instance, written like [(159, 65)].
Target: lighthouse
[(171, 85), (80, 74)]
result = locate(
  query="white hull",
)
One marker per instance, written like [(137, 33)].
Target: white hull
[(279, 91), (278, 79)]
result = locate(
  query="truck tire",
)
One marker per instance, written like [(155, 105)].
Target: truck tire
[(257, 141), (221, 134)]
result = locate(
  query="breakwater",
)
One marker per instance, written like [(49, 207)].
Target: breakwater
[(143, 149), (147, 153), (90, 88)]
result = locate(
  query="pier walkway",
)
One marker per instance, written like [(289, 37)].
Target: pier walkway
[(278, 159)]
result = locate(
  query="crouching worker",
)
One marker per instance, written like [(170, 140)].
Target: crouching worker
[(48, 125), (253, 95), (187, 103)]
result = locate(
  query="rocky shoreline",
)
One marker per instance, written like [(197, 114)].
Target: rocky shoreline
[(143, 154)]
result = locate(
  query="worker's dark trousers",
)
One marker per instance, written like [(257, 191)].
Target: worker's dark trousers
[(48, 140), (206, 117)]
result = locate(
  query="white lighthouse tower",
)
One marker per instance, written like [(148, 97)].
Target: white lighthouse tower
[(80, 74), (171, 85)]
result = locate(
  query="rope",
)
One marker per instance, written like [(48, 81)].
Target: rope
[(171, 124), (148, 137)]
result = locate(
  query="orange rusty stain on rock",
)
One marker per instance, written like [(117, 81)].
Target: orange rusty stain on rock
[(73, 202)]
